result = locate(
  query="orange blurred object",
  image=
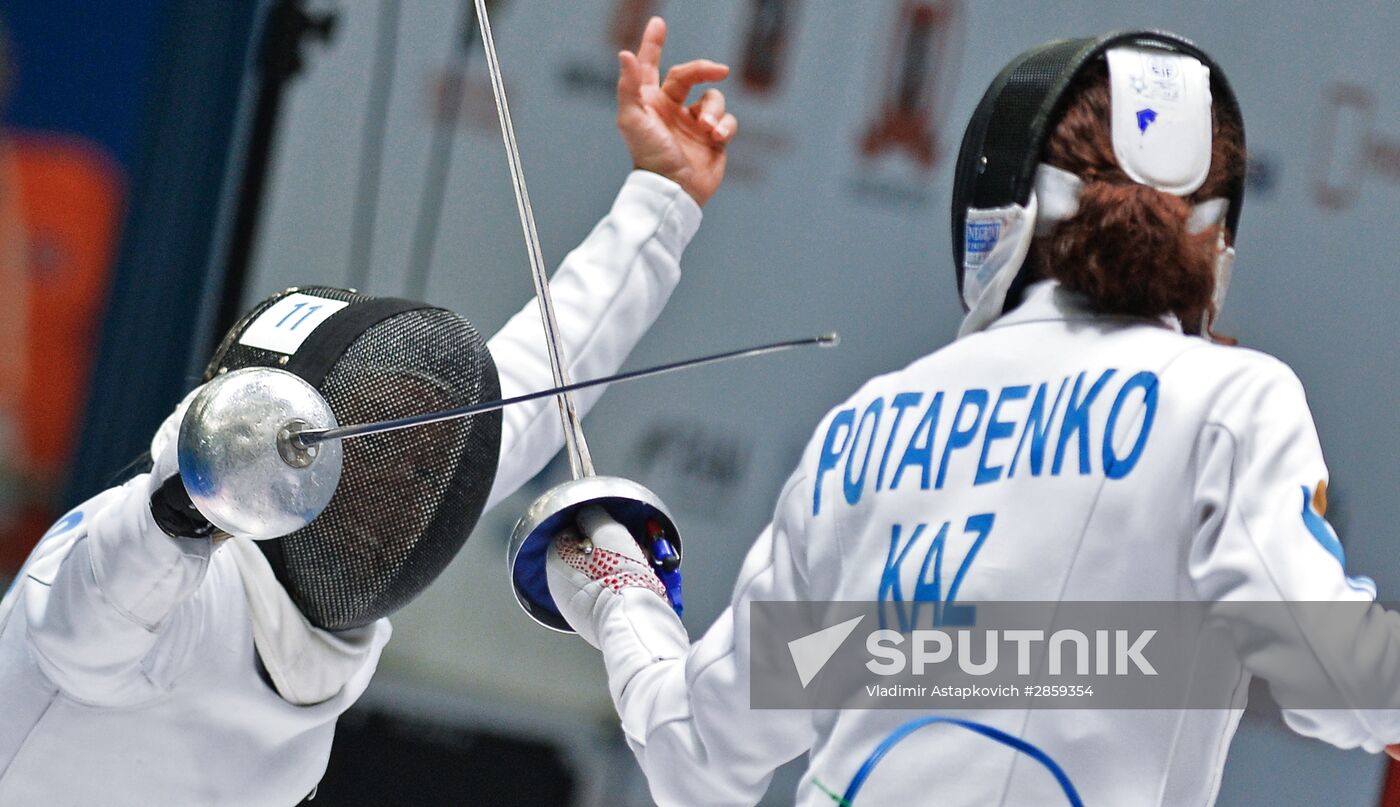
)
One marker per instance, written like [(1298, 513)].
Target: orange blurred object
[(60, 208)]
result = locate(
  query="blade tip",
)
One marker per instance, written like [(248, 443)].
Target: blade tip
[(832, 339)]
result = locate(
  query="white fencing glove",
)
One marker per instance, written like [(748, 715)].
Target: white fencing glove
[(589, 575), (605, 589)]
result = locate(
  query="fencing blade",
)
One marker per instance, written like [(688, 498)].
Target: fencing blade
[(580, 461), (305, 439)]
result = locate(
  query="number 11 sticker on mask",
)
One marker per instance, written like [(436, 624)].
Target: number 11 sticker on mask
[(286, 325)]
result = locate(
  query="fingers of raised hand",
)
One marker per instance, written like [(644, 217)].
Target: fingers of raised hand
[(725, 131), (653, 41), (683, 77), (630, 77), (709, 110)]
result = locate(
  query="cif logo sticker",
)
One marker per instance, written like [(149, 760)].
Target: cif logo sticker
[(1349, 149), (1162, 69), (918, 82), (765, 45)]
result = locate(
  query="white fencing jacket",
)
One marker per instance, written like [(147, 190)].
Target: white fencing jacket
[(127, 667), (1198, 496)]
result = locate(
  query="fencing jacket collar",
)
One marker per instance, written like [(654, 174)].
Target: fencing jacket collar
[(307, 665), (1048, 301)]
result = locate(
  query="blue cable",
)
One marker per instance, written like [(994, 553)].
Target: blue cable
[(986, 731)]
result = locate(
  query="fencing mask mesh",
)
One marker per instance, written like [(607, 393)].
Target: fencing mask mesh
[(407, 500)]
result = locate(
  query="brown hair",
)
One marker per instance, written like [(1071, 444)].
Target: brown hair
[(1129, 249)]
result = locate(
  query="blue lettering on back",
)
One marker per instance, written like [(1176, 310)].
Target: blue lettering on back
[(997, 430), (1076, 421), (1038, 429), (929, 589), (854, 488), (830, 455), (1113, 467), (890, 588), (960, 437), (920, 452), (901, 402)]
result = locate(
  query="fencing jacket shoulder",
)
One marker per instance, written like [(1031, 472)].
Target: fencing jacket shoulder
[(128, 674), (1122, 461)]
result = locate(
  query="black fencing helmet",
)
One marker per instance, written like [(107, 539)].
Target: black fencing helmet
[(407, 500), (994, 207)]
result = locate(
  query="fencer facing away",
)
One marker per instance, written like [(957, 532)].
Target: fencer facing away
[(1086, 438), (146, 658)]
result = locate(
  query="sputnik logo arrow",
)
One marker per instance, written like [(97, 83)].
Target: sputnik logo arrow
[(811, 653)]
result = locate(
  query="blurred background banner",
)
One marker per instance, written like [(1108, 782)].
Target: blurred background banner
[(193, 156), (73, 90)]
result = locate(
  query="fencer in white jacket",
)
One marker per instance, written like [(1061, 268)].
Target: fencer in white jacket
[(1204, 501), (133, 665), (1105, 456)]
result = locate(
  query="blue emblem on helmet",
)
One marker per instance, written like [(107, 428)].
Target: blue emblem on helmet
[(1146, 118)]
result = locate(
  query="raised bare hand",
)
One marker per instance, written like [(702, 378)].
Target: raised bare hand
[(684, 143)]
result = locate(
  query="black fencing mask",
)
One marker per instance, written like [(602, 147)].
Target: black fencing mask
[(407, 500)]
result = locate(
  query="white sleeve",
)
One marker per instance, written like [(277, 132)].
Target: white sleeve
[(685, 709), (106, 606), (1262, 538), (607, 293)]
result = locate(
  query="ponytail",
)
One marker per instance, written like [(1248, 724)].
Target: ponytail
[(1129, 251)]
